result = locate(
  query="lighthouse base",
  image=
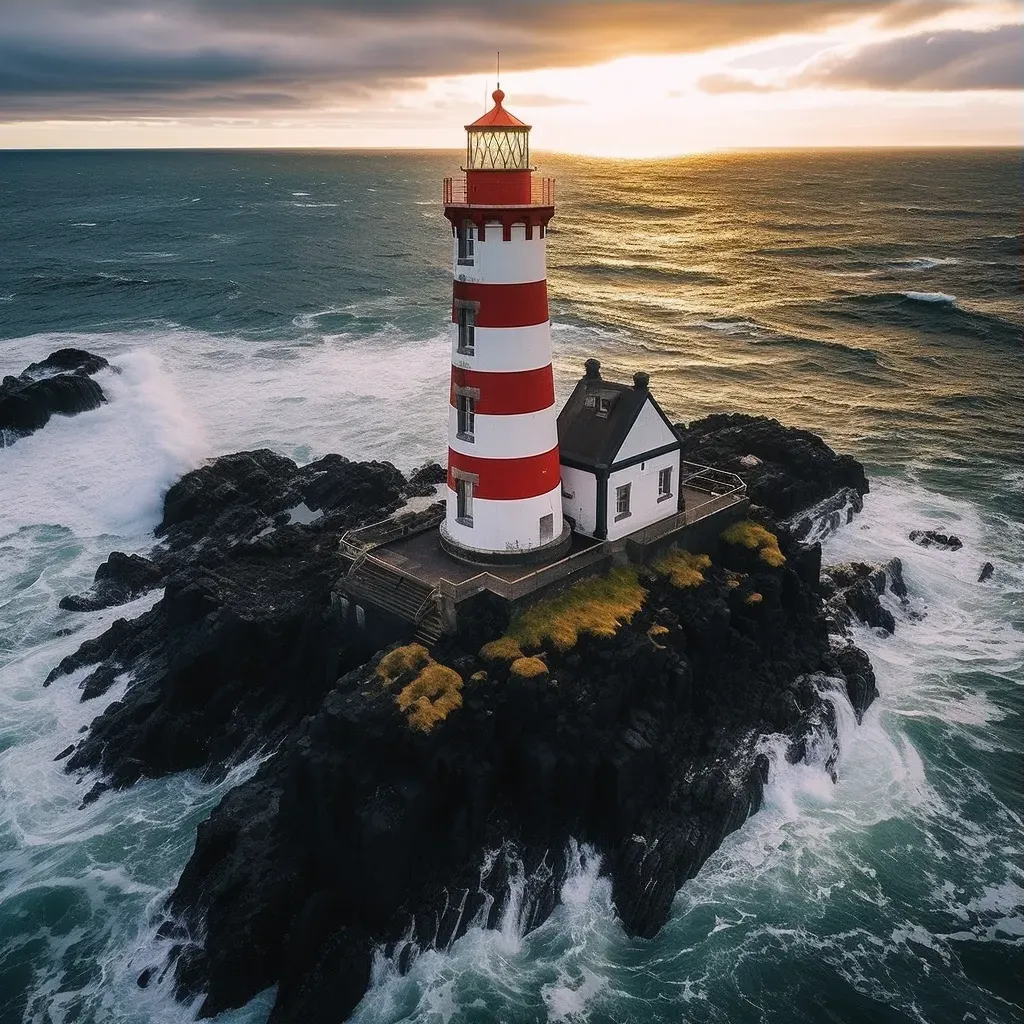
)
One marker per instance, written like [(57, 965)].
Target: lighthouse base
[(555, 549)]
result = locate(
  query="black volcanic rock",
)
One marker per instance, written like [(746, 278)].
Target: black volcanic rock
[(788, 470), (245, 640), (934, 539), (121, 578), (60, 384), (987, 572), (360, 829), (425, 479), (853, 590)]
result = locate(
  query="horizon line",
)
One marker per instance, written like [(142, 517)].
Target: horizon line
[(685, 154)]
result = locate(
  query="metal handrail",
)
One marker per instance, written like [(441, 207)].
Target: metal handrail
[(542, 193), (385, 530)]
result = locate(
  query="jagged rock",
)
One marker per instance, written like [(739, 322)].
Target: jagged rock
[(424, 480), (796, 471), (245, 640), (60, 384), (358, 831), (932, 538), (121, 578), (361, 830), (853, 589), (987, 571)]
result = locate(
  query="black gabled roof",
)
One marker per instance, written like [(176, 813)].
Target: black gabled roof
[(592, 440)]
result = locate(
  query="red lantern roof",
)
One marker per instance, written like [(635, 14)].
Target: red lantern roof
[(497, 116)]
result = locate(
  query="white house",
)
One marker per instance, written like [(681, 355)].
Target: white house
[(620, 457)]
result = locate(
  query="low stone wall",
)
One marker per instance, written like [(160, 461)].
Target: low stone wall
[(702, 537)]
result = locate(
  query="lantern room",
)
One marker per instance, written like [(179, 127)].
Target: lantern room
[(498, 158), (498, 141)]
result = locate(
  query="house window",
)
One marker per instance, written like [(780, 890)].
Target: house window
[(622, 501), (604, 405), (465, 407), (466, 235), (665, 484), (467, 330), (464, 502)]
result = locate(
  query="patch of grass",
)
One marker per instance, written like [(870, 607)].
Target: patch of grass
[(478, 677), (528, 668), (505, 648), (757, 538), (732, 584), (753, 598), (410, 658), (682, 568), (654, 632), (431, 696), (597, 606)]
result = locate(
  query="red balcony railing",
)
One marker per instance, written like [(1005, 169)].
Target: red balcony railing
[(457, 193)]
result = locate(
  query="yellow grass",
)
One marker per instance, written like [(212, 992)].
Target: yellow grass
[(411, 658), (597, 606), (431, 696), (754, 598), (732, 584), (682, 568), (657, 631), (528, 668), (757, 538), (505, 648), (478, 677)]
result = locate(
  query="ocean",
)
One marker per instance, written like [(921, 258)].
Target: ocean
[(299, 301)]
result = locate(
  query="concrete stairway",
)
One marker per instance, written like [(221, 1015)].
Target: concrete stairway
[(373, 582)]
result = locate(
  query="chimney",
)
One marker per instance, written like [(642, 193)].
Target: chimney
[(593, 368), (641, 380)]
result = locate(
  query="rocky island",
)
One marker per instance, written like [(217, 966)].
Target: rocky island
[(403, 790)]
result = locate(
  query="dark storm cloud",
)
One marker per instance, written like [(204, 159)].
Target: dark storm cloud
[(118, 58), (928, 61)]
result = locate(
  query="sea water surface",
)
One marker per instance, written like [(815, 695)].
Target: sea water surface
[(299, 301)]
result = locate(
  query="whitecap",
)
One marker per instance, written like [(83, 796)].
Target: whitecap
[(940, 297), (923, 263)]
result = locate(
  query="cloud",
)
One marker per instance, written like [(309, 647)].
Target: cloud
[(952, 60), (113, 58)]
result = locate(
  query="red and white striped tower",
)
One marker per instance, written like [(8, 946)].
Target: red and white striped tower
[(504, 480)]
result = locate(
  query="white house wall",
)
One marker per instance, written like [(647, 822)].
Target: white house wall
[(644, 505), (579, 498), (647, 434)]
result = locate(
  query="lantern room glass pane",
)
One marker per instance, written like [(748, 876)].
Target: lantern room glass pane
[(504, 150)]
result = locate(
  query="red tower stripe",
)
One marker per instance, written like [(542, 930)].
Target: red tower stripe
[(504, 305), (507, 394), (508, 479)]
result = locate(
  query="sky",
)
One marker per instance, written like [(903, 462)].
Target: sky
[(634, 79)]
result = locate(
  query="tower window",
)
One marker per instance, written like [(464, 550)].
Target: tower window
[(466, 234), (547, 528), (622, 501), (665, 484), (465, 408), (467, 330), (464, 501)]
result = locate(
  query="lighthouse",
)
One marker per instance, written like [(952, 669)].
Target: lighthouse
[(504, 495)]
